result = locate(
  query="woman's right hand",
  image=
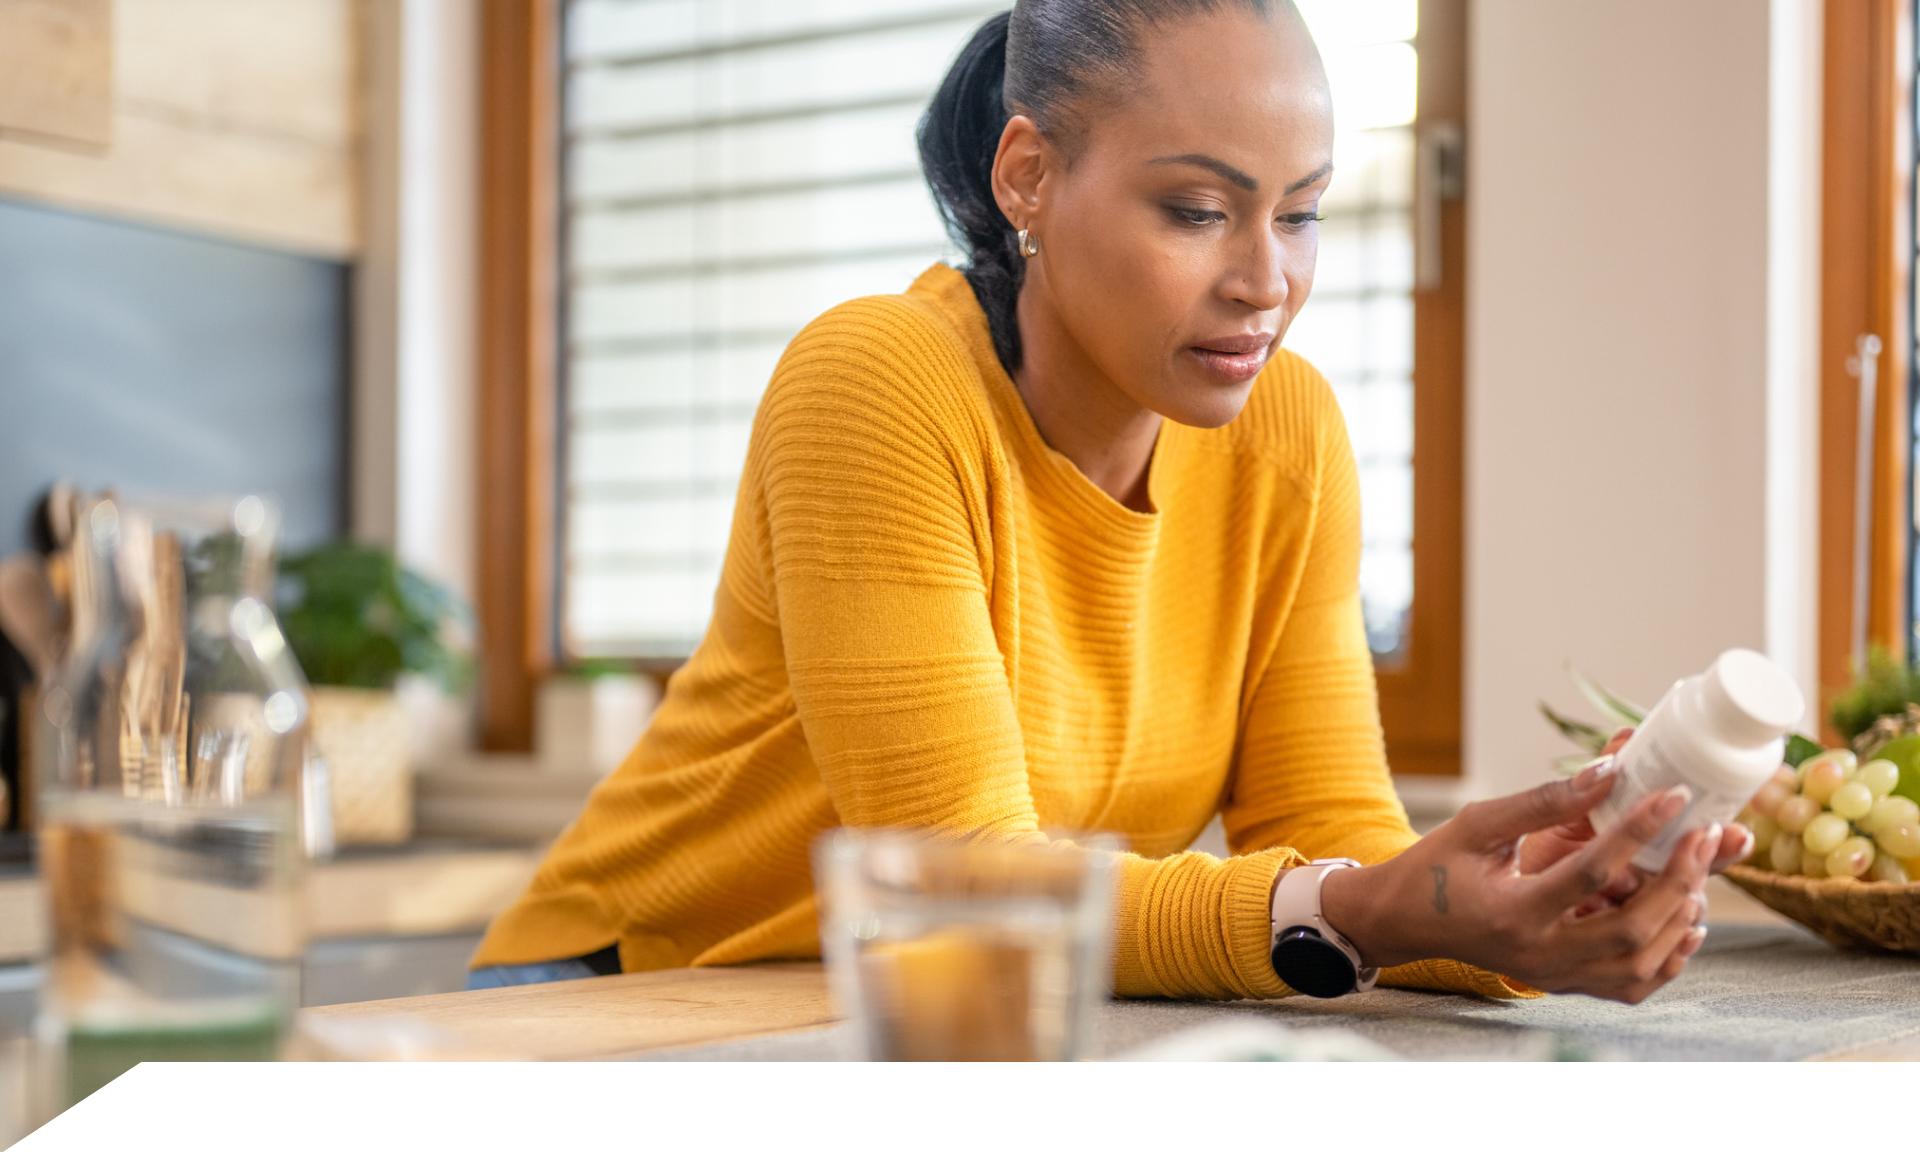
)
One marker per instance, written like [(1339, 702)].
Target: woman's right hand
[(1459, 893)]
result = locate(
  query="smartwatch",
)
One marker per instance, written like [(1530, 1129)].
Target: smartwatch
[(1308, 954)]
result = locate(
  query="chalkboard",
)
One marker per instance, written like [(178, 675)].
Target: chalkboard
[(166, 363)]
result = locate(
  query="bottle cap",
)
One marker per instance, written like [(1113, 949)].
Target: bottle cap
[(1749, 700)]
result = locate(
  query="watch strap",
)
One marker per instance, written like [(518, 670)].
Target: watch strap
[(1296, 905)]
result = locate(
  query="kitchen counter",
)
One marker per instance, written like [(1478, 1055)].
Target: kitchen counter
[(1757, 990), (424, 887)]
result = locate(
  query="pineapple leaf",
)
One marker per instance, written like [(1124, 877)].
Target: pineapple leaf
[(1624, 712), (1585, 735)]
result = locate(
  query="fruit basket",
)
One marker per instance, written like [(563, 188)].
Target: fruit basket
[(1836, 831), (1849, 913)]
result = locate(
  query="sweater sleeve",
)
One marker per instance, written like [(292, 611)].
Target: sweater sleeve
[(1311, 772), (872, 468)]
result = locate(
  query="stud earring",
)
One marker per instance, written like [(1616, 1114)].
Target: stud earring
[(1029, 247)]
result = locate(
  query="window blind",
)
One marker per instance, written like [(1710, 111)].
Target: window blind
[(733, 168)]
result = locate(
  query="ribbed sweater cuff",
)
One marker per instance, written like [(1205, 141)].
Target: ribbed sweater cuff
[(1249, 920), (1193, 926)]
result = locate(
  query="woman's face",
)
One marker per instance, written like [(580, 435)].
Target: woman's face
[(1180, 242)]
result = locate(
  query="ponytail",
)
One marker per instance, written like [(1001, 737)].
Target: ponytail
[(958, 138), (1061, 51)]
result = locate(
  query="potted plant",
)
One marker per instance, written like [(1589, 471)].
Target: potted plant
[(593, 713), (358, 621)]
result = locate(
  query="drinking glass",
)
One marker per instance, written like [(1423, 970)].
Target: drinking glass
[(946, 949)]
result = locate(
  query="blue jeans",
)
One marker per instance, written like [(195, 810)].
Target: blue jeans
[(605, 962)]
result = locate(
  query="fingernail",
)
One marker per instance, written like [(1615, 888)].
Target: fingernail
[(1699, 900), (1594, 772), (1709, 845), (1673, 801), (1745, 836), (1696, 938)]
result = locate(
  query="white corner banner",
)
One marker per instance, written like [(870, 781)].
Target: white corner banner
[(600, 1107)]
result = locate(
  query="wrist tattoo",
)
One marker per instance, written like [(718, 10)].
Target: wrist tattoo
[(1439, 889)]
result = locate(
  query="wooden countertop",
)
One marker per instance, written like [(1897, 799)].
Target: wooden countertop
[(657, 1012), (596, 1019)]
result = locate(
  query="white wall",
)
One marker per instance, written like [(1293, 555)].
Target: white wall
[(415, 381), (1642, 303)]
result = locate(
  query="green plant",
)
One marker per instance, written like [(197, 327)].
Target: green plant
[(1885, 687), (1620, 713), (599, 667), (356, 618), (1623, 713)]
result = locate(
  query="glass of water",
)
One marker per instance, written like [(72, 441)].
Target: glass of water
[(944, 949), (170, 754)]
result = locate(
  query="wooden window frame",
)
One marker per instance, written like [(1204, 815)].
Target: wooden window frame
[(1866, 287), (519, 513), (1420, 696), (517, 477)]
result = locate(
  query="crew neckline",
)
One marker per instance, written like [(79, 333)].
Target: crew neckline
[(948, 287)]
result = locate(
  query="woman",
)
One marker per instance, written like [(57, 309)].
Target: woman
[(1068, 541)]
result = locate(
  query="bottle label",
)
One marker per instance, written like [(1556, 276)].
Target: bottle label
[(1643, 771)]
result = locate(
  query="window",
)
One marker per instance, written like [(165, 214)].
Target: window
[(1358, 326), (732, 168)]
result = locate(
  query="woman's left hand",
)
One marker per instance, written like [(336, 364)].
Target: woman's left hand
[(1542, 849)]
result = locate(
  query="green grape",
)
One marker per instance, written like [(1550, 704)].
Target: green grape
[(1797, 813), (1813, 866), (1843, 757), (1824, 833), (1820, 778), (1852, 858), (1851, 800), (1764, 832), (1890, 811), (1901, 840), (1786, 854), (1887, 870), (1787, 778), (1879, 776), (1767, 801)]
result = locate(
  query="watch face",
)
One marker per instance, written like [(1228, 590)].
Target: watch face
[(1309, 964)]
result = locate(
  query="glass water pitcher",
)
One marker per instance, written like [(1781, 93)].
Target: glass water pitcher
[(177, 798)]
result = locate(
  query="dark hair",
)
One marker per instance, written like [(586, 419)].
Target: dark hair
[(1039, 60)]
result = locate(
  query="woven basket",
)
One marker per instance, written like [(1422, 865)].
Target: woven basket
[(363, 735), (1847, 913)]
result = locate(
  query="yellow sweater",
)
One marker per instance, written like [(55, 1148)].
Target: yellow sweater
[(928, 617)]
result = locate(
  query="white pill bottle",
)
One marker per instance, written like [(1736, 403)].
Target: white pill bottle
[(1721, 733)]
